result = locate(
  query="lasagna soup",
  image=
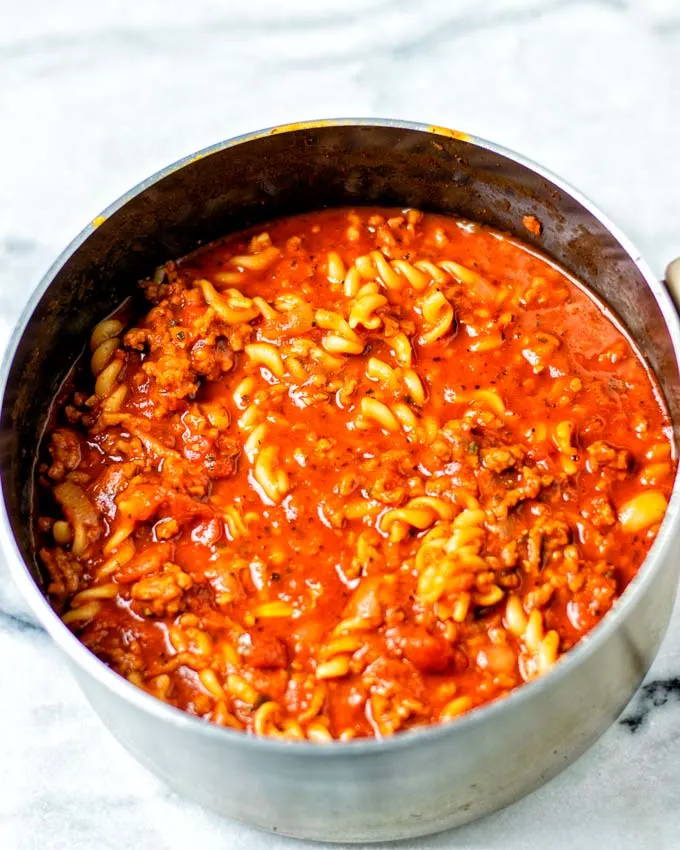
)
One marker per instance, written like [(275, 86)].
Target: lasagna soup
[(348, 474)]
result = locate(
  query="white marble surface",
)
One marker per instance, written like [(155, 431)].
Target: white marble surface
[(95, 96)]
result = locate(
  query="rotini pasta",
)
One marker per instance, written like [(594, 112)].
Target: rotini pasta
[(438, 315), (106, 365), (258, 261)]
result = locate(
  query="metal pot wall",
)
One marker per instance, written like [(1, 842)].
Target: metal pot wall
[(422, 781)]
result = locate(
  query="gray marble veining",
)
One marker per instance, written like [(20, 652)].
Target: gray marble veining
[(93, 97)]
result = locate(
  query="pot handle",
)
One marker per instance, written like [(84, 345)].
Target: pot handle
[(673, 280)]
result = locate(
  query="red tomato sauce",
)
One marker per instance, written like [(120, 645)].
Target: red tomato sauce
[(354, 472)]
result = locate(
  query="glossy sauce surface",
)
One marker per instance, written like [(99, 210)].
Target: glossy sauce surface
[(354, 472)]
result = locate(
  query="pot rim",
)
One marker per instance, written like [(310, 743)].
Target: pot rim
[(112, 681)]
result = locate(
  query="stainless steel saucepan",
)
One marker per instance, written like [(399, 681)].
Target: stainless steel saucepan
[(421, 781)]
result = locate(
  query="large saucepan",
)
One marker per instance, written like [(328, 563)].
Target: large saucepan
[(421, 781)]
